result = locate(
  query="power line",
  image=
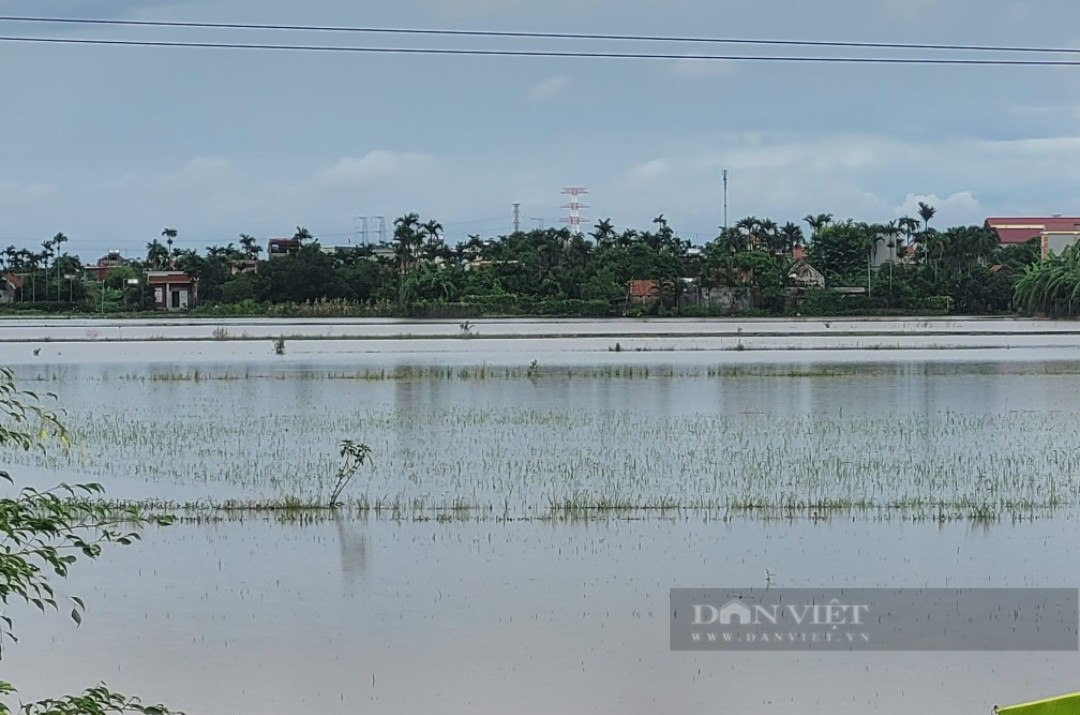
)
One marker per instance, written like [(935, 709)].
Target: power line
[(547, 35), (547, 53)]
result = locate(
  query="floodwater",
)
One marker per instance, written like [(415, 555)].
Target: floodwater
[(474, 590)]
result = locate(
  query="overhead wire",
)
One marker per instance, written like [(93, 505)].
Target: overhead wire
[(546, 53), (354, 49), (521, 34)]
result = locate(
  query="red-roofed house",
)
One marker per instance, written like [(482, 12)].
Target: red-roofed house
[(1055, 233), (643, 292)]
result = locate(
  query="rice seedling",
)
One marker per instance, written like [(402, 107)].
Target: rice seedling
[(231, 441)]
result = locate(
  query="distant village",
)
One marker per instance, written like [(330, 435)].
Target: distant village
[(755, 266)]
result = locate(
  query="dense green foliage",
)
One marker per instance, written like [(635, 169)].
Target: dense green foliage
[(902, 266), (1052, 287)]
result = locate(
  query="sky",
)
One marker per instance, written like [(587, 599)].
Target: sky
[(112, 144)]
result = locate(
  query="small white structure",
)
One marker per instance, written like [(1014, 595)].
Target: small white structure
[(173, 290)]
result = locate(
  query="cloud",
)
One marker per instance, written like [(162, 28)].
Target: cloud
[(548, 89), (862, 176), (648, 172), (202, 171), (962, 203), (375, 167), (12, 194)]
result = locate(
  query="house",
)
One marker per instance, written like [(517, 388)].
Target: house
[(804, 275), (98, 271), (173, 290), (643, 292), (1055, 233), (282, 247), (10, 288)]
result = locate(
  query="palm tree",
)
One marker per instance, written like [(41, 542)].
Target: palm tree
[(157, 256), (250, 247), (169, 234), (12, 254), (768, 233), (792, 235), (926, 212), (818, 222), (302, 234), (909, 227), (408, 239), (434, 243), (603, 233), (58, 239)]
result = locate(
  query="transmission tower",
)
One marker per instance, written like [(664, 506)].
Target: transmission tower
[(517, 218), (575, 218), (380, 222)]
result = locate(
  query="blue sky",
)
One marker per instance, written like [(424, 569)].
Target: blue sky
[(110, 145)]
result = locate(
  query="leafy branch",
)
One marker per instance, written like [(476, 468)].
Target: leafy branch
[(43, 533), (95, 701), (355, 455)]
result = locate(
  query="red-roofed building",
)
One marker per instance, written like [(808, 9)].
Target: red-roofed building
[(1055, 233), (111, 259), (643, 292)]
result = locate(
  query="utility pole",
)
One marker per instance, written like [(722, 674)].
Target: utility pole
[(539, 221), (517, 218), (725, 200)]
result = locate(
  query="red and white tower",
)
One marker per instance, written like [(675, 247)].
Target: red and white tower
[(575, 219)]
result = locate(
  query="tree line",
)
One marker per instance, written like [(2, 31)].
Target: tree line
[(900, 266)]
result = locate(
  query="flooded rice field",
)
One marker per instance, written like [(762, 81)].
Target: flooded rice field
[(532, 500)]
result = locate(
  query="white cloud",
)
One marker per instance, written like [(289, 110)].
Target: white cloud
[(12, 194), (961, 203), (549, 89), (376, 166), (648, 172), (202, 171)]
